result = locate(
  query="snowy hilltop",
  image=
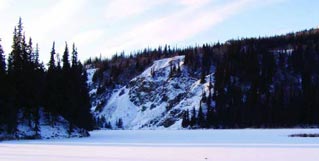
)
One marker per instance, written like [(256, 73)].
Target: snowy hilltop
[(157, 98)]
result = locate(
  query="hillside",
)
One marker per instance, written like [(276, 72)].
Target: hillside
[(155, 98), (43, 130), (256, 82)]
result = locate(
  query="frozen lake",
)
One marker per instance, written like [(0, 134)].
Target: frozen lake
[(169, 145)]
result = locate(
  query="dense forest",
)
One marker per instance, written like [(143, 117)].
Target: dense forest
[(26, 86), (264, 82)]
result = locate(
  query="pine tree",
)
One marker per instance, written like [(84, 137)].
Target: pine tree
[(37, 123), (108, 125), (202, 78), (54, 100), (68, 106), (35, 57), (84, 104), (209, 99), (16, 78), (200, 117), (65, 58), (2, 62), (28, 51), (3, 84), (185, 121), (211, 121), (15, 57), (51, 63), (74, 56), (119, 123), (193, 120)]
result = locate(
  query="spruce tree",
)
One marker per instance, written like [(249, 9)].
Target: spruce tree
[(84, 101), (80, 97), (119, 123), (16, 82), (193, 120), (3, 84), (200, 117), (2, 62), (185, 121), (52, 91), (65, 58), (35, 57), (67, 85), (74, 56), (51, 64)]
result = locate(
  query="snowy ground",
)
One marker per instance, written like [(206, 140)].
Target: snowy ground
[(170, 145)]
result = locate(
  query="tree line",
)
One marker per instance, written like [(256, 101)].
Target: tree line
[(26, 86), (260, 82)]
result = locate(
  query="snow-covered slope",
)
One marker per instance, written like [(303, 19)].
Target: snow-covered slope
[(27, 130), (156, 98)]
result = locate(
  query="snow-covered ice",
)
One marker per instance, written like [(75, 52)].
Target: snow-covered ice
[(170, 145)]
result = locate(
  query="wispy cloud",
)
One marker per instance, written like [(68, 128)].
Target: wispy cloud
[(194, 18), (113, 26), (123, 9), (57, 17), (191, 18)]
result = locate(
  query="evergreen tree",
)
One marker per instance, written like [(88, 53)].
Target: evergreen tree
[(16, 77), (119, 123), (209, 99), (2, 62), (185, 121), (211, 119), (3, 84), (65, 58), (74, 56), (67, 90), (84, 103), (108, 125), (52, 89), (200, 117), (35, 57), (193, 120), (51, 63)]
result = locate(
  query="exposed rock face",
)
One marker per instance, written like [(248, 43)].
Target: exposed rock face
[(156, 98)]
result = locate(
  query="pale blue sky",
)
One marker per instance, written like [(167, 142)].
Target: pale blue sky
[(106, 27)]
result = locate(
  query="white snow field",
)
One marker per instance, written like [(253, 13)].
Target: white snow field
[(169, 145)]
